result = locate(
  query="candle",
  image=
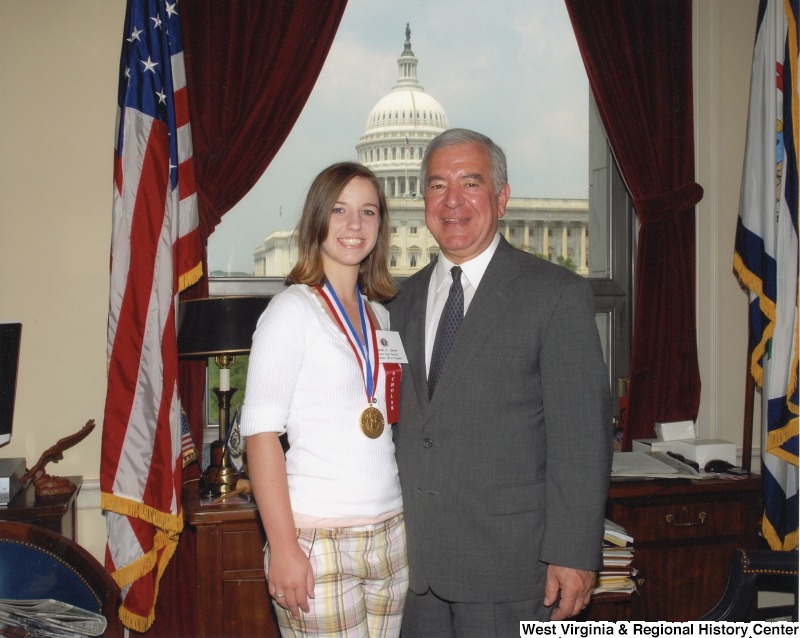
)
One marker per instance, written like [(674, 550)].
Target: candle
[(224, 379)]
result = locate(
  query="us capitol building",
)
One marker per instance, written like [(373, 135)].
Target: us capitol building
[(398, 130)]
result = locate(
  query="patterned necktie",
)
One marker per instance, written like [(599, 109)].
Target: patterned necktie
[(451, 318)]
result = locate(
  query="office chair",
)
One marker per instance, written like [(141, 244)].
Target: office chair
[(752, 571), (38, 563)]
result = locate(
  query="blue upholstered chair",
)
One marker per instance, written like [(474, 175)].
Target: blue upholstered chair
[(38, 563), (750, 572)]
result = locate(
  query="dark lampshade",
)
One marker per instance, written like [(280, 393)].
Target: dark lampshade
[(214, 326)]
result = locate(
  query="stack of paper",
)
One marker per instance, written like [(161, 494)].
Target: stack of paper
[(616, 575), (48, 618), (651, 464)]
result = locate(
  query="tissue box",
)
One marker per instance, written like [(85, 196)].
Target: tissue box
[(653, 445), (675, 430), (704, 450)]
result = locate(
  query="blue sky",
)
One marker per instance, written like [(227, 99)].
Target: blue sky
[(509, 69)]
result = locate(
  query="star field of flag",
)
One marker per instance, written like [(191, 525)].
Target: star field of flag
[(146, 72)]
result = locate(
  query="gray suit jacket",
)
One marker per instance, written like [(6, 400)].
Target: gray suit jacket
[(507, 467)]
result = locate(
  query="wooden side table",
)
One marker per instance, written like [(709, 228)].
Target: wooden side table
[(232, 596), (684, 533), (57, 513)]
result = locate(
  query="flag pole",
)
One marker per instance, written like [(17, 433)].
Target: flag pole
[(749, 397)]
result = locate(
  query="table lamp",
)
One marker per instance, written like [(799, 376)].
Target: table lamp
[(219, 327)]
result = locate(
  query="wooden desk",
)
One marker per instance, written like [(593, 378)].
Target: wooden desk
[(57, 513), (683, 535), (232, 596)]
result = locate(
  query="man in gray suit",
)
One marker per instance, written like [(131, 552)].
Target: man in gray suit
[(504, 445)]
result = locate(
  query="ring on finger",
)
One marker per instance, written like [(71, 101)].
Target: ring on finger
[(280, 595)]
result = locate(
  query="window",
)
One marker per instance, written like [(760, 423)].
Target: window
[(572, 205), (611, 251)]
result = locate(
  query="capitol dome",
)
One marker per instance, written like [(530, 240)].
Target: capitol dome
[(399, 128)]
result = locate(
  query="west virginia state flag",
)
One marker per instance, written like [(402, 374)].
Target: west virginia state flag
[(766, 258)]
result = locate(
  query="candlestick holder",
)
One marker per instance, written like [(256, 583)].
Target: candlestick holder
[(220, 475)]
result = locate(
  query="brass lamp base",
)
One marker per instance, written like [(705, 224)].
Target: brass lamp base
[(220, 476)]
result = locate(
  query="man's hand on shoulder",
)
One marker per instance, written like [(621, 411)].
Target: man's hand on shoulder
[(576, 587)]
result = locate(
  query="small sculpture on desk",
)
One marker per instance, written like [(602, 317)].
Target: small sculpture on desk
[(243, 490), (47, 486)]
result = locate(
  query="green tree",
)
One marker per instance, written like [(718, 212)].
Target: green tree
[(567, 263)]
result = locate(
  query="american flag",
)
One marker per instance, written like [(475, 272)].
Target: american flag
[(766, 259), (155, 253), (188, 450)]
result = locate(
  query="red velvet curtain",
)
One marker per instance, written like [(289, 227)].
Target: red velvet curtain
[(638, 57), (250, 68)]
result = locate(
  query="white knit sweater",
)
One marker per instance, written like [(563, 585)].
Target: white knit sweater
[(303, 379)]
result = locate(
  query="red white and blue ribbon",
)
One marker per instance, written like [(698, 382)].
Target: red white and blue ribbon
[(365, 347)]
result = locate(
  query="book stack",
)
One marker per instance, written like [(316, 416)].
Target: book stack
[(616, 575)]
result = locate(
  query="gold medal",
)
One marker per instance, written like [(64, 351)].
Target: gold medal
[(372, 422)]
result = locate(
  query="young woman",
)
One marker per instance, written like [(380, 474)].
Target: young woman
[(331, 506)]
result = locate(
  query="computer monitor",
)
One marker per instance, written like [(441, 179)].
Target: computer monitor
[(10, 334)]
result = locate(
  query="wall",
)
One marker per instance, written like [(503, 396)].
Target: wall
[(58, 61), (723, 47)]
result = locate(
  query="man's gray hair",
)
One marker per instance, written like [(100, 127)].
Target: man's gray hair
[(464, 136)]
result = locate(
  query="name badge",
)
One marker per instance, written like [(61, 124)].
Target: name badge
[(390, 347)]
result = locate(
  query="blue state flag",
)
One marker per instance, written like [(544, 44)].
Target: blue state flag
[(766, 258)]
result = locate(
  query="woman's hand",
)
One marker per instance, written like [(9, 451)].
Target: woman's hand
[(289, 574), (290, 579)]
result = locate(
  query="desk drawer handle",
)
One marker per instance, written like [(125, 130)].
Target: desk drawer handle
[(701, 519)]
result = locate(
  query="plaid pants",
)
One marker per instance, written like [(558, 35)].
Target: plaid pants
[(361, 581)]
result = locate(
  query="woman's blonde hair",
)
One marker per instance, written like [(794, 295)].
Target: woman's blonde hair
[(374, 279)]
